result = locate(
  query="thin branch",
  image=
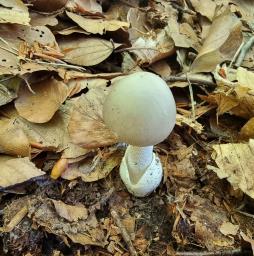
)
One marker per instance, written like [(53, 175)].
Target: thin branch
[(192, 99), (192, 80), (124, 232), (214, 253), (244, 51), (236, 54), (136, 49)]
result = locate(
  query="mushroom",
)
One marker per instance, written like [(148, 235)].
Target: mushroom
[(141, 110)]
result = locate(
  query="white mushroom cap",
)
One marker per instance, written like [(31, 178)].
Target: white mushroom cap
[(140, 109)]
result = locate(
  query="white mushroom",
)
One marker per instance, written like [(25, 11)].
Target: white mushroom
[(141, 110)]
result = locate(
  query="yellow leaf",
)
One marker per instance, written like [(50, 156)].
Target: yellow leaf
[(235, 162)]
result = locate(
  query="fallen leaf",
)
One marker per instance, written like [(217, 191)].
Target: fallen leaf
[(87, 7), (89, 171), (14, 11), (51, 136), (222, 42), (13, 140), (86, 127), (85, 232), (207, 219), (150, 49), (207, 9), (17, 170), (245, 78), (247, 131), (70, 212), (46, 6), (8, 90), (97, 26), (38, 19), (195, 125), (227, 228), (86, 51), (40, 106), (235, 163)]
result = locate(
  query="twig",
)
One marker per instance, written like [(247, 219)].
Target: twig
[(236, 54), (192, 80), (28, 85), (192, 99), (124, 232), (214, 253), (244, 51), (136, 49)]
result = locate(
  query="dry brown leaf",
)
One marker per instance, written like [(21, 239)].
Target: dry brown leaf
[(227, 228), (182, 34), (97, 26), (38, 19), (86, 51), (70, 212), (150, 49), (40, 106), (235, 163), (51, 136), (222, 42), (86, 126), (207, 219), (247, 131), (245, 78), (89, 172), (183, 120), (85, 232), (13, 140), (14, 35), (47, 6), (14, 11), (86, 7), (245, 8), (225, 103), (17, 170), (205, 8), (77, 85), (8, 90)]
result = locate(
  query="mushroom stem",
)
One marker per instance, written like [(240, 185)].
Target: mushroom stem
[(138, 159)]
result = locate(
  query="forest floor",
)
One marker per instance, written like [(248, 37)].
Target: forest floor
[(60, 189)]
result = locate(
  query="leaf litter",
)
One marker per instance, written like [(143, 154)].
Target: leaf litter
[(61, 193)]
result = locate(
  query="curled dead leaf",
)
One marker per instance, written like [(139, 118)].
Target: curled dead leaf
[(89, 171), (222, 42), (17, 170), (40, 106), (97, 26)]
